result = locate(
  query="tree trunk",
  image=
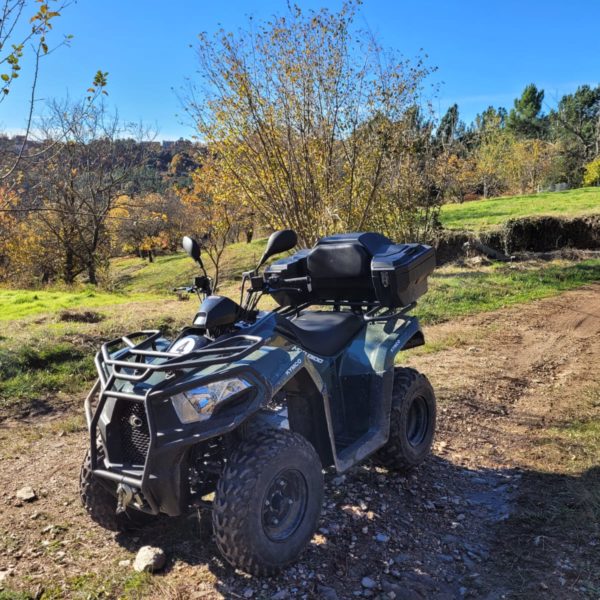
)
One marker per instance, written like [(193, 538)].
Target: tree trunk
[(91, 269), (69, 274)]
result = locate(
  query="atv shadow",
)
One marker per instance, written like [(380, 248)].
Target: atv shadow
[(445, 531)]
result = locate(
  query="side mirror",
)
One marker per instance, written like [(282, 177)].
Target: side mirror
[(280, 241), (191, 246)]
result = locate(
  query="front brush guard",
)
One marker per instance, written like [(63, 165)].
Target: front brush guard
[(136, 363)]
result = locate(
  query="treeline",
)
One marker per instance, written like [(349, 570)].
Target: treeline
[(524, 149), (306, 123)]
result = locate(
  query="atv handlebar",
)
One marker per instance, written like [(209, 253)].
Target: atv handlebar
[(202, 285)]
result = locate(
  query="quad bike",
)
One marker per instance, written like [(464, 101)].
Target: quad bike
[(244, 410)]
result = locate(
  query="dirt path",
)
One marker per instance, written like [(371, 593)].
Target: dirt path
[(508, 506)]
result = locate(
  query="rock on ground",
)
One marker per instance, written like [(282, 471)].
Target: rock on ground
[(149, 559), (27, 494)]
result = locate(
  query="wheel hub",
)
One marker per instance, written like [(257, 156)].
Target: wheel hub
[(417, 421), (284, 504)]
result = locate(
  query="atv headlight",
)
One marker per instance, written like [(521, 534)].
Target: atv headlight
[(199, 403)]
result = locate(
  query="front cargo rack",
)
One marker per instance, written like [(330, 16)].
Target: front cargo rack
[(133, 365)]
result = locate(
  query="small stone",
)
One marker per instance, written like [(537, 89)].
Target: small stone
[(368, 583), (338, 480), (4, 575), (280, 595), (125, 563), (149, 558), (327, 593), (248, 593), (26, 494), (382, 537)]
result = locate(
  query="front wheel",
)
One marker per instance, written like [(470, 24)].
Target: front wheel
[(268, 502), (412, 421), (101, 504)]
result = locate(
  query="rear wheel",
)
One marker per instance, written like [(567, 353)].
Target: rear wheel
[(412, 421), (268, 501), (101, 504)]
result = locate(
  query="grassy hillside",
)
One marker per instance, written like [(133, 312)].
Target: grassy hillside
[(16, 304), (486, 214), (136, 275)]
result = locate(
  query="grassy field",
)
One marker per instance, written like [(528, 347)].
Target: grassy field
[(456, 291), (16, 304), (486, 214)]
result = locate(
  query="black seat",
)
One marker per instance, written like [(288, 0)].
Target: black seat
[(321, 332)]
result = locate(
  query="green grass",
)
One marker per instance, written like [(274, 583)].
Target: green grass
[(456, 292), (33, 371), (16, 304), (94, 586), (12, 595), (486, 214)]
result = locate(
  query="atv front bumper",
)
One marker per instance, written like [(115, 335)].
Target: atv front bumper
[(130, 413)]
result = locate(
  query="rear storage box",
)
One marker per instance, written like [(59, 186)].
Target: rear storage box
[(400, 273), (357, 267)]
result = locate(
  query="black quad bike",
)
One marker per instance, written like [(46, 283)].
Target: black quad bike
[(245, 408)]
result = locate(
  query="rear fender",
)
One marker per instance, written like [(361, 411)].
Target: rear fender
[(406, 336)]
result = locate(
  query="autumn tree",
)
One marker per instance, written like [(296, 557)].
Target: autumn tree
[(529, 164), (494, 145), (302, 111), (70, 196), (147, 223), (591, 174), (215, 211)]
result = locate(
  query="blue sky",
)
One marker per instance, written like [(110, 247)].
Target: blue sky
[(485, 51)]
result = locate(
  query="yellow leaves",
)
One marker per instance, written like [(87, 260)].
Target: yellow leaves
[(592, 173)]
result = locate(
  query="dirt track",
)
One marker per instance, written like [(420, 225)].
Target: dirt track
[(497, 512)]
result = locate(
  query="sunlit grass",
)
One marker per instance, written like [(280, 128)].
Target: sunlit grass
[(485, 214), (454, 292), (16, 304)]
